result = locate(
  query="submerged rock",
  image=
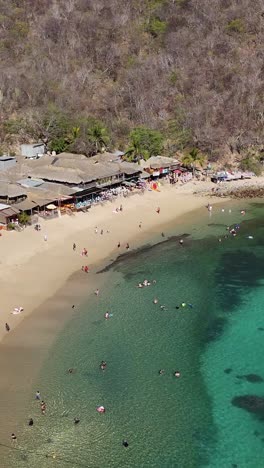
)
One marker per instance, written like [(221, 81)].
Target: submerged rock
[(260, 328), (228, 370), (251, 403), (252, 378)]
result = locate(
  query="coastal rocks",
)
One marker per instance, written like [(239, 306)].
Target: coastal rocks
[(251, 403), (252, 378)]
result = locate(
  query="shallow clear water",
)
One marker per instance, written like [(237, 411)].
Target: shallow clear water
[(168, 422)]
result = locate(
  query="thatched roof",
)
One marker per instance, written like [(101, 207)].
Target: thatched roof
[(11, 190), (157, 162), (58, 174)]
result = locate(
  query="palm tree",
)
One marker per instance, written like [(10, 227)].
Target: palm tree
[(98, 136), (193, 158), (135, 152)]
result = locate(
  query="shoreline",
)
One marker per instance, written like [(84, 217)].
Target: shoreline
[(61, 283), (32, 270)]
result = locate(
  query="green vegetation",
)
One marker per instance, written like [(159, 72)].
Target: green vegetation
[(193, 159), (156, 27), (237, 25), (23, 218), (251, 165), (144, 143)]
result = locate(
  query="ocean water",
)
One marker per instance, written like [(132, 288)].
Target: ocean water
[(216, 342)]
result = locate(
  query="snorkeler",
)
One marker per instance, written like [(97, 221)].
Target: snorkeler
[(103, 365), (161, 372), (125, 443), (177, 374)]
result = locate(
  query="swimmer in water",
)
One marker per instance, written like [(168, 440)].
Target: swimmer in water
[(181, 242), (155, 301), (125, 443), (106, 315), (76, 420), (161, 372), (177, 374), (96, 292), (103, 365)]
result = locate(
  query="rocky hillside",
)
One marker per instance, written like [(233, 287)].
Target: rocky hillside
[(192, 69)]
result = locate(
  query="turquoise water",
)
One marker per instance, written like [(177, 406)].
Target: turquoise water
[(168, 422)]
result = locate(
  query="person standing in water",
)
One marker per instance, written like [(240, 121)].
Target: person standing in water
[(7, 327)]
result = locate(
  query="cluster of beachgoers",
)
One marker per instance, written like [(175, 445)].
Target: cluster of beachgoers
[(27, 261)]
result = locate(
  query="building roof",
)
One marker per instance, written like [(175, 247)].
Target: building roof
[(9, 211), (3, 206), (25, 205), (7, 158), (157, 162), (32, 145), (11, 190), (30, 182)]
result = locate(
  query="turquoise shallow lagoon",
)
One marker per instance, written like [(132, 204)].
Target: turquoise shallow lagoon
[(188, 422)]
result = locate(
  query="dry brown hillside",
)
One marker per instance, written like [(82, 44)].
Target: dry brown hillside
[(193, 69)]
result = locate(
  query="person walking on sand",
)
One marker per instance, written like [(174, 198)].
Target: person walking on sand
[(140, 225), (158, 210), (127, 246), (45, 238), (7, 327), (118, 245), (102, 231), (13, 437), (96, 230), (74, 246)]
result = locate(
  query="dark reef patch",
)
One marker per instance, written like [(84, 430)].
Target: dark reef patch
[(252, 378), (237, 273), (228, 370), (215, 329), (251, 403)]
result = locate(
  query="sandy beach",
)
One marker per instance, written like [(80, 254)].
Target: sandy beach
[(45, 277), (32, 269)]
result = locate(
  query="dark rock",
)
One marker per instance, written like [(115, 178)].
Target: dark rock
[(252, 378), (260, 328), (228, 370), (256, 433), (251, 403)]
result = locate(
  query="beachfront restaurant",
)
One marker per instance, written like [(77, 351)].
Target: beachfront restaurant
[(11, 193), (8, 214), (160, 166)]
